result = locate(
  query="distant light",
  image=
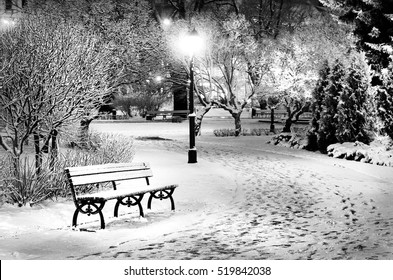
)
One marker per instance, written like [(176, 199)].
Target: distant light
[(158, 79), (166, 22), (7, 22)]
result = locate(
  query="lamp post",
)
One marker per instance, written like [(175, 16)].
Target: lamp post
[(190, 45), (192, 152)]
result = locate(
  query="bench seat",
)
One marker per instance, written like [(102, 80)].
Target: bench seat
[(113, 194), (150, 115)]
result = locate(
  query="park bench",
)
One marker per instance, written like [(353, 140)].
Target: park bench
[(92, 203), (281, 116), (265, 115), (150, 115), (304, 118)]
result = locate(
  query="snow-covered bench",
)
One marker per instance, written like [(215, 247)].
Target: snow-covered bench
[(95, 175), (150, 115)]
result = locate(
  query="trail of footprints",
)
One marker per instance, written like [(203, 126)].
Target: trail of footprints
[(283, 218)]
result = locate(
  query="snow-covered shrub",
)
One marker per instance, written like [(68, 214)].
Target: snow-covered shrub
[(110, 148), (375, 153), (295, 139), (25, 187), (101, 148), (347, 150), (257, 132), (22, 185), (384, 141), (225, 132)]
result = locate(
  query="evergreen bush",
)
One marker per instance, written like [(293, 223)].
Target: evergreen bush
[(384, 101), (351, 113), (373, 25), (316, 106), (339, 109)]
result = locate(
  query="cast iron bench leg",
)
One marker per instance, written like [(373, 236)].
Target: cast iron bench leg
[(162, 194), (129, 201), (89, 211)]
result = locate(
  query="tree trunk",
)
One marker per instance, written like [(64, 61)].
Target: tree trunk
[(199, 118), (238, 123), (17, 180), (182, 9), (38, 153), (16, 168), (84, 131), (54, 151), (272, 128), (199, 5), (288, 124)]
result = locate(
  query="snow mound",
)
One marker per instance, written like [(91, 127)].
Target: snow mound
[(375, 153), (289, 140)]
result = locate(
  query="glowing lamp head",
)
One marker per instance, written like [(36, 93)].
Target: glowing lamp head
[(191, 43), (166, 22), (5, 22)]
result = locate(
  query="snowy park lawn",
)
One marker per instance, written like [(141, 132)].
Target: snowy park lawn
[(244, 199)]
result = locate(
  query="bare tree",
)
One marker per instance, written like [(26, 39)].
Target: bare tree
[(298, 57), (184, 8), (270, 17), (53, 73), (230, 73), (128, 30)]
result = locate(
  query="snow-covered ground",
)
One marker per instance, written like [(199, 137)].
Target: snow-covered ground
[(244, 199)]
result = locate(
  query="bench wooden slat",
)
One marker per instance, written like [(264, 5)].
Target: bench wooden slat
[(111, 194), (106, 168), (106, 165), (80, 173), (150, 115), (108, 177), (167, 112)]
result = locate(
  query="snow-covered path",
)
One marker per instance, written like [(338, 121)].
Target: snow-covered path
[(244, 199), (284, 207), (304, 206)]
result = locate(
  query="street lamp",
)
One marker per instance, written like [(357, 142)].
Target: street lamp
[(166, 22), (191, 44), (6, 23), (158, 79)]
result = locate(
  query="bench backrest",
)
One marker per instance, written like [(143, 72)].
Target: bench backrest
[(168, 112), (107, 173)]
